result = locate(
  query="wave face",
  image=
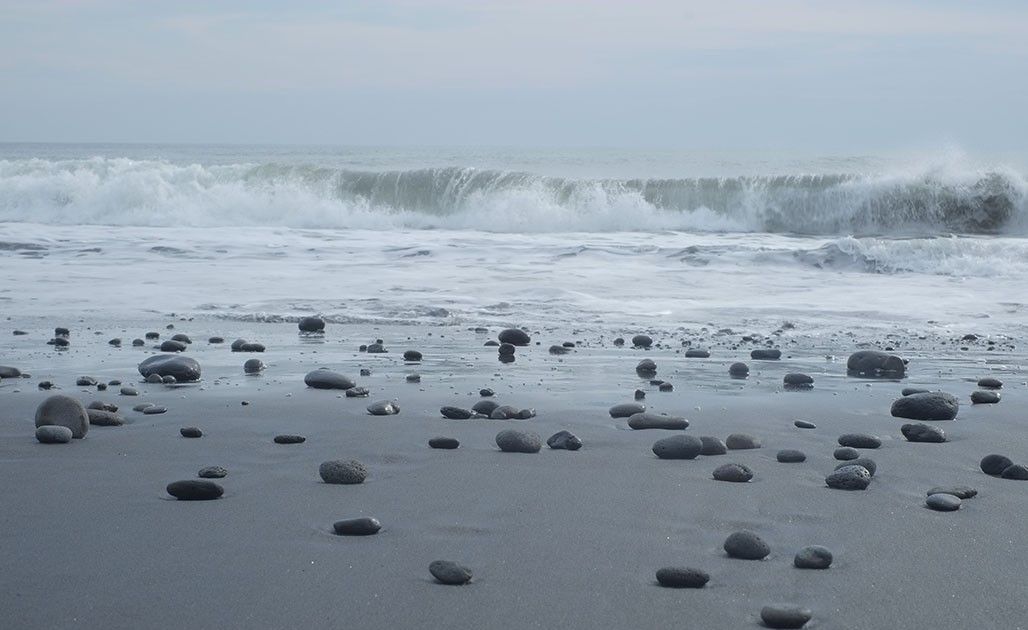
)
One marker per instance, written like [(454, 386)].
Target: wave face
[(122, 191)]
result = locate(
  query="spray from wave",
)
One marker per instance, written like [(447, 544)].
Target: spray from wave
[(120, 191)]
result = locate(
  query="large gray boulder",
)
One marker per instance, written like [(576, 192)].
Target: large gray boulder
[(63, 411)]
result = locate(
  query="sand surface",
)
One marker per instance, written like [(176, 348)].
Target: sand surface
[(555, 539)]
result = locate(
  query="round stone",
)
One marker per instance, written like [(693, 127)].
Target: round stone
[(682, 577), (738, 370), (642, 341), (212, 472), (643, 420), (926, 406), (338, 471), (859, 440), (625, 410), (1016, 471), (449, 572), (184, 369), (170, 345), (766, 354), (678, 447), (194, 490), (646, 368), (103, 418), (995, 464), (697, 353), (63, 411), (485, 407), (385, 408), (875, 364), (564, 440), (849, 477), (943, 502), (923, 433), (991, 383), (518, 441), (798, 381), (364, 526), (515, 337), (154, 378), (746, 545), (327, 379), (447, 443), (190, 432), (813, 557), (290, 439), (868, 464), (982, 397), (791, 456), (311, 324), (712, 446), (785, 616), (455, 413), (737, 473), (907, 391), (154, 410), (253, 366), (485, 392), (504, 412), (803, 424), (53, 434), (742, 441), (846, 453)]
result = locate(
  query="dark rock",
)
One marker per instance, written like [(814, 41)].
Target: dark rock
[(643, 420), (504, 412), (869, 465), (101, 418), (339, 471), (982, 397), (59, 342), (678, 447), (564, 440), (290, 439), (169, 380), (129, 391), (849, 477), (797, 381), (995, 464), (943, 502), (455, 413), (642, 341), (194, 490), (872, 363), (961, 492), (666, 387), (170, 345), (114, 342), (357, 392), (61, 331), (620, 341), (190, 432), (742, 441), (766, 354), (506, 350), (375, 348), (923, 433), (85, 381), (216, 340), (327, 379), (486, 392), (738, 370), (251, 346), (712, 446), (785, 616), (625, 410), (253, 366), (152, 335), (682, 577), (154, 379), (104, 406), (1015, 471), (451, 573), (746, 545), (639, 394), (926, 406), (364, 526), (46, 385), (803, 424), (183, 368), (558, 350), (791, 456), (412, 356), (446, 443), (137, 343), (212, 472), (859, 440), (6, 371), (311, 324), (910, 391), (697, 353), (384, 408), (53, 434), (515, 337), (154, 410), (990, 383), (737, 473), (813, 557), (485, 407), (63, 411), (518, 441), (846, 453)]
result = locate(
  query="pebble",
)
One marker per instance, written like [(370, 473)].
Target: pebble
[(154, 379), (447, 443), (803, 424), (646, 368), (785, 616), (412, 356), (564, 440), (191, 432), (311, 324), (557, 350), (170, 345), (859, 440), (678, 447), (253, 366), (63, 411), (138, 342), (767, 354), (849, 477), (642, 420), (251, 347), (697, 353), (813, 557), (6, 371), (384, 408), (514, 336), (736, 473), (995, 464), (503, 412), (486, 392), (485, 407), (625, 410), (742, 441), (85, 381), (102, 418), (184, 369), (682, 577), (797, 381), (846, 453), (455, 413), (961, 492), (327, 379), (215, 340), (738, 370), (53, 434), (909, 391), (712, 446), (129, 391), (666, 387), (791, 456), (746, 545), (1016, 471), (212, 472), (518, 441), (926, 406), (357, 392), (506, 350), (340, 471), (874, 363), (923, 433), (449, 572), (194, 490), (363, 526), (943, 502), (290, 439), (991, 383), (868, 464), (642, 341), (982, 397)]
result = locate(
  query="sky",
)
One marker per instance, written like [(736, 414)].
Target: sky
[(825, 75)]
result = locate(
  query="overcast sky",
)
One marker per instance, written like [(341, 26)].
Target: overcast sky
[(826, 75)]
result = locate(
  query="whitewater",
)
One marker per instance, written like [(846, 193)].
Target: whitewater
[(496, 237)]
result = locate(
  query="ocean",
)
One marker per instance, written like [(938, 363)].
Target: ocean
[(589, 238)]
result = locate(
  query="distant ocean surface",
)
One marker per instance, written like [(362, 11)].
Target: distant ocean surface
[(512, 236)]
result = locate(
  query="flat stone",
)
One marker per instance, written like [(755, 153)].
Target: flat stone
[(339, 471), (961, 492), (678, 447), (859, 440), (846, 453), (982, 397), (455, 413), (184, 369), (190, 432), (518, 441), (712, 446), (63, 411), (564, 440), (646, 368), (642, 420), (250, 346), (642, 341), (504, 412), (875, 364), (385, 408), (736, 473), (742, 441), (791, 456), (253, 366), (803, 424), (289, 439), (447, 443), (923, 433), (327, 379), (194, 490), (412, 356), (785, 616), (357, 392), (995, 464), (813, 557), (212, 472), (53, 434), (926, 406), (506, 350), (849, 477), (363, 526), (311, 324), (746, 545), (625, 410), (558, 350), (451, 573), (943, 502), (682, 577)]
